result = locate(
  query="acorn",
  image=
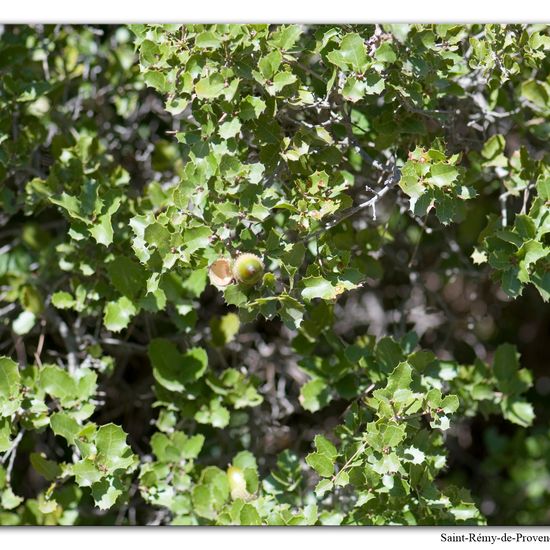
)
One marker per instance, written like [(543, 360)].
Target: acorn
[(237, 483), (248, 269)]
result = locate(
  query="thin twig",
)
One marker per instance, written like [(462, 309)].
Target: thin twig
[(345, 466), (504, 213), (525, 199), (68, 338), (370, 203), (12, 451)]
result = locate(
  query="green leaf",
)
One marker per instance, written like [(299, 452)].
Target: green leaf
[(63, 300), (65, 425), (518, 411), (353, 90), (110, 441), (196, 238), (86, 472), (210, 87), (385, 53), (393, 435), (173, 369), (229, 129), (249, 515), (388, 353), (10, 379), (351, 53), (535, 92), (416, 455), (127, 276), (331, 517), (269, 64), (244, 460), (5, 435), (207, 39), (530, 252), (106, 492), (24, 322), (210, 493), (102, 230), (213, 413), (374, 84), (251, 108), (191, 448), (58, 383), (46, 468), (119, 314), (281, 80), (159, 237), (10, 500), (400, 378), (493, 147), (450, 404), (505, 365), (325, 447), (286, 36), (412, 186), (314, 395), (234, 295), (321, 464), (443, 174), (318, 287), (224, 328), (323, 487), (157, 80)]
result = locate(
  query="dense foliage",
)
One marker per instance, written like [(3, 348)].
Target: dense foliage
[(274, 274)]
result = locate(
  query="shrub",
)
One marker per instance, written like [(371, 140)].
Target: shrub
[(273, 274)]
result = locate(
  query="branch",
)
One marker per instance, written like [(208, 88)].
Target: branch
[(371, 203), (68, 338), (11, 452)]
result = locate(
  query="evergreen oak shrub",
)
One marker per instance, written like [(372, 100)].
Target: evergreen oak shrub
[(274, 274)]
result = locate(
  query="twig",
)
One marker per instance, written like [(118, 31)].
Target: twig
[(40, 345), (12, 451), (7, 309), (21, 350), (525, 200), (502, 198), (140, 348), (68, 338), (363, 395), (371, 203), (345, 466)]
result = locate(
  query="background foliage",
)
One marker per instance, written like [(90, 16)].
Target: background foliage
[(391, 367)]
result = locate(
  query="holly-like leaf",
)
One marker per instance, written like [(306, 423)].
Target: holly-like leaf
[(119, 314), (173, 369)]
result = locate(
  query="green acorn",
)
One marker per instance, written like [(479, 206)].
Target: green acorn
[(248, 269), (237, 483)]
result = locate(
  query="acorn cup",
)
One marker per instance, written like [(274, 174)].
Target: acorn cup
[(220, 273), (248, 269)]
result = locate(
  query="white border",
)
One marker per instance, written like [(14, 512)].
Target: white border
[(264, 538), (274, 11)]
